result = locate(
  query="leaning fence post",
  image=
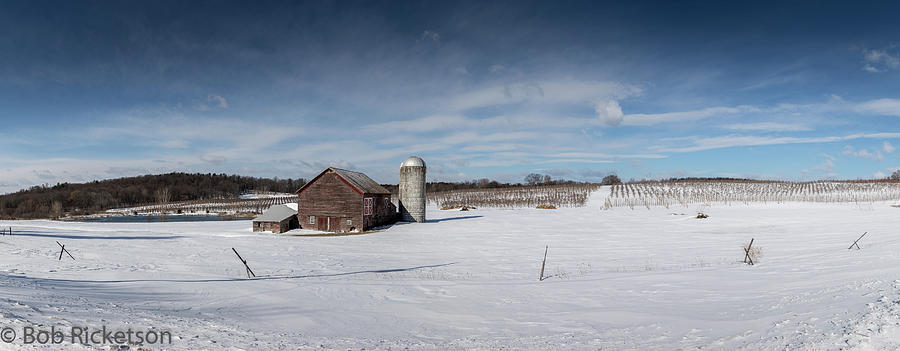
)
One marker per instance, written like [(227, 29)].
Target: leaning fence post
[(544, 263), (63, 249), (747, 252), (249, 271), (857, 240)]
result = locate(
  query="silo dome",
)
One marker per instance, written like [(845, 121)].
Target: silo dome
[(412, 190), (413, 161)]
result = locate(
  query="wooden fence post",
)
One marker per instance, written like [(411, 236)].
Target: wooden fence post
[(249, 271), (544, 263), (63, 249), (855, 242), (747, 252)]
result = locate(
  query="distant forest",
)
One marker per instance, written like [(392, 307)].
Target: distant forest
[(45, 201)]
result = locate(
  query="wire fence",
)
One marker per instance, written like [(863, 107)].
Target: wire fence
[(686, 193), (210, 206), (563, 195)]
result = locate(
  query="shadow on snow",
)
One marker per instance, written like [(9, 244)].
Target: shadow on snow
[(450, 219), (117, 237), (392, 270)]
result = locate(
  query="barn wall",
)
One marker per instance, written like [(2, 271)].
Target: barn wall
[(329, 196), (384, 212), (274, 227)]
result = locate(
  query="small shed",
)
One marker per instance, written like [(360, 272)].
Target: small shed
[(338, 200), (277, 219)]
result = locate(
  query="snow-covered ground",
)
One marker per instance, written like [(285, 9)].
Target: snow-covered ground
[(618, 279)]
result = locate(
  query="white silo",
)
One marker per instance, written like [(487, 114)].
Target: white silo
[(412, 190)]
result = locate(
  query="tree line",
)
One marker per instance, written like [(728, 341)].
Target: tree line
[(532, 179), (45, 201)]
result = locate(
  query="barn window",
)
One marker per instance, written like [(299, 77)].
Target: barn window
[(368, 204), (349, 222), (312, 219)]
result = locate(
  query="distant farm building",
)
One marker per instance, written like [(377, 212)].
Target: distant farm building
[(338, 200), (277, 219)]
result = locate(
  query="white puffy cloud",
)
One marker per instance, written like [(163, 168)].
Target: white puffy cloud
[(609, 112)]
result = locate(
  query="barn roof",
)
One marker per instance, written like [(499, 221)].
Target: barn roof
[(276, 213), (357, 180), (361, 181)]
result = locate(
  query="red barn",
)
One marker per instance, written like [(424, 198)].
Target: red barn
[(338, 200)]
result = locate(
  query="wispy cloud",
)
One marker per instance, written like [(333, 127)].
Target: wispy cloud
[(430, 35), (550, 92), (864, 153), (887, 107), (217, 101), (880, 60), (709, 143), (768, 126), (640, 119)]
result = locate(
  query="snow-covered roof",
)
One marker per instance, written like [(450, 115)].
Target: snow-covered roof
[(276, 213)]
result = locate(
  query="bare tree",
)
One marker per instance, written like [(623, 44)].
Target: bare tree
[(895, 175), (533, 179), (56, 209), (611, 180), (162, 197)]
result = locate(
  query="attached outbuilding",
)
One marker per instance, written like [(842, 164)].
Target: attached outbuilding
[(338, 200), (277, 219)]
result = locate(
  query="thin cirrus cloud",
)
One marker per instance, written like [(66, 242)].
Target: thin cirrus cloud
[(640, 119), (886, 106), (768, 126), (720, 142), (547, 92)]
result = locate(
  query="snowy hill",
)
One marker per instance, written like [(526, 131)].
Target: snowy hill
[(618, 279)]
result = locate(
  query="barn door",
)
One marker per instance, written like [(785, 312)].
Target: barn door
[(334, 224), (322, 223)]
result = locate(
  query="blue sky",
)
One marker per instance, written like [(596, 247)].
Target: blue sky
[(798, 91)]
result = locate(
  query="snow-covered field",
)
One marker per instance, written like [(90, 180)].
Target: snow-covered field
[(619, 279)]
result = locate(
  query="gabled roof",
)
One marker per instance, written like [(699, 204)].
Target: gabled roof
[(276, 213), (361, 182)]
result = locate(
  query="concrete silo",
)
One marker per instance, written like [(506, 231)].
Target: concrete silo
[(412, 190)]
